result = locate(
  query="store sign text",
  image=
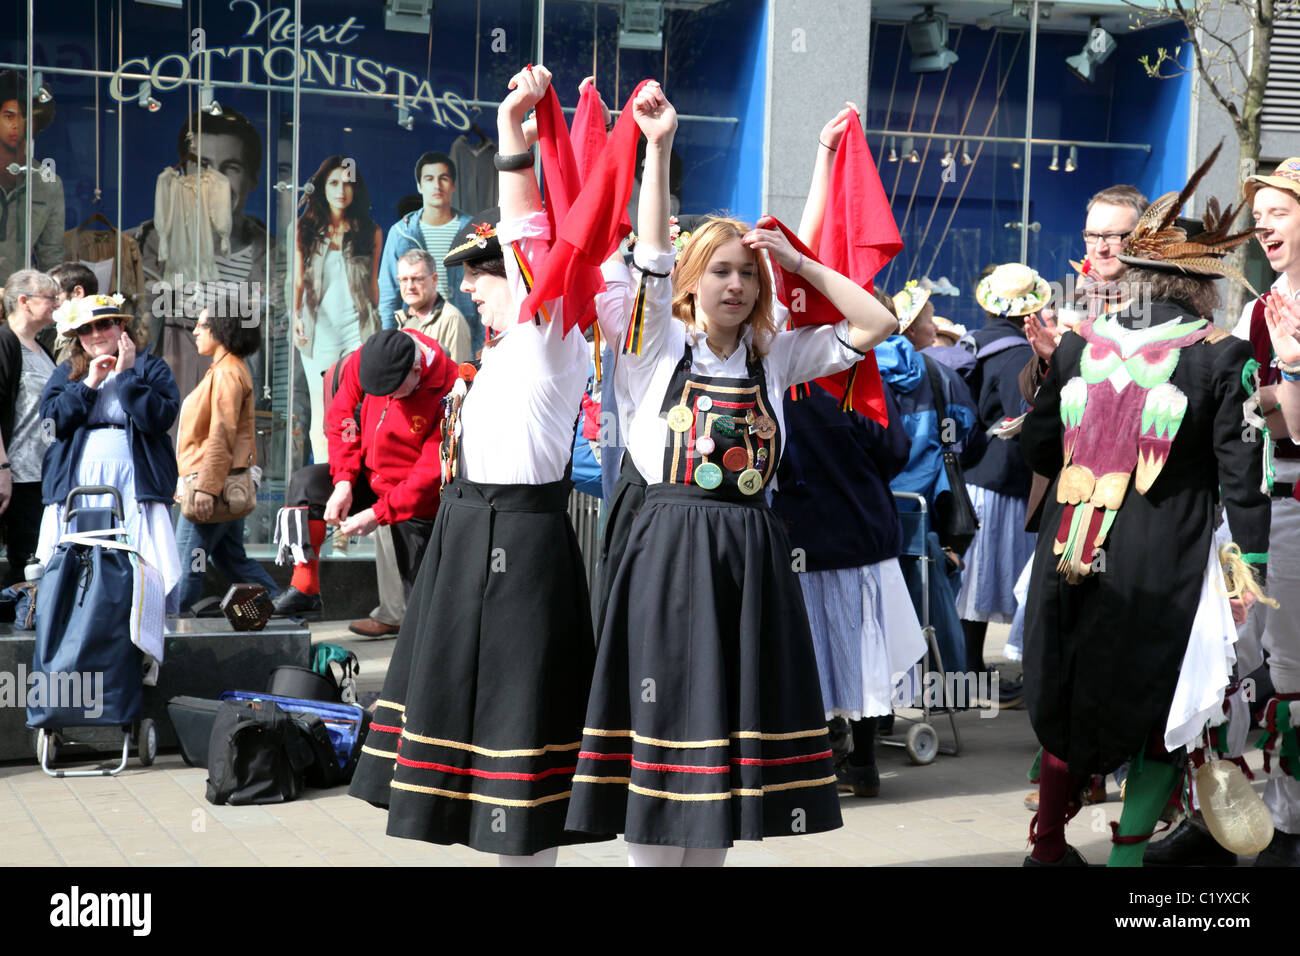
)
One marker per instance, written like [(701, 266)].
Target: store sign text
[(279, 65)]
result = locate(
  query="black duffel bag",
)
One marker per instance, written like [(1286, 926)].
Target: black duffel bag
[(256, 754)]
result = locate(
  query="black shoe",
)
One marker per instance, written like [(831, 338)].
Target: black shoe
[(1188, 845), (1282, 850), (293, 603), (863, 781), (1011, 693), (1071, 857)]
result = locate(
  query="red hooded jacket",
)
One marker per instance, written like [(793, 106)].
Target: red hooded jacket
[(398, 439)]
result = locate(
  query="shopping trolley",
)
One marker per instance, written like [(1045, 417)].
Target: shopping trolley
[(921, 741), (92, 592)]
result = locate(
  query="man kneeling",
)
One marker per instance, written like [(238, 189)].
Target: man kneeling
[(384, 469)]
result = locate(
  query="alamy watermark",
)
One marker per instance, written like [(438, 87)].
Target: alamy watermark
[(939, 689), (240, 300), (76, 690)]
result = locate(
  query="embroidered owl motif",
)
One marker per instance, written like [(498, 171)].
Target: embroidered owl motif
[(1120, 416)]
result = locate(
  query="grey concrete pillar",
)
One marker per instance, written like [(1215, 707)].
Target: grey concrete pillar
[(816, 59)]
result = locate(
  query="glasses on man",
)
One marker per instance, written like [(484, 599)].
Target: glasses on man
[(99, 325), (1109, 238)]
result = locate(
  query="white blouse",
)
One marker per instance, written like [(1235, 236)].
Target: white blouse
[(518, 418), (793, 357)]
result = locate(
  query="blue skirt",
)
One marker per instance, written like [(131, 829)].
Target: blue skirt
[(997, 555)]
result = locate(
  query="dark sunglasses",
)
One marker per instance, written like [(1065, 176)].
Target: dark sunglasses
[(99, 325)]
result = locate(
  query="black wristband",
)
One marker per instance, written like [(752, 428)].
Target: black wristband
[(5, 467), (850, 347), (513, 161), (657, 275)]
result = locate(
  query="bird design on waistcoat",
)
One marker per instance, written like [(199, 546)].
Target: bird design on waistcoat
[(1120, 415)]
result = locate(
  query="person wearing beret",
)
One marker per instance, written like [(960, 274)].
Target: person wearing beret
[(478, 728), (383, 468)]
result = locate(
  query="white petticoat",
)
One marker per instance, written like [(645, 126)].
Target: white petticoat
[(106, 460), (1208, 660)]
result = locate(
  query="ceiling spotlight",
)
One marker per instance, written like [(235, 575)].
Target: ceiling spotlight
[(927, 35), (1096, 50), (893, 151), (1015, 161), (965, 156), (947, 154), (404, 118), (43, 94), (208, 101), (1072, 161), (1056, 159), (407, 16), (909, 150), (145, 98)]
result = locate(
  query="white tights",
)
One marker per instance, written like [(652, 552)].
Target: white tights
[(540, 858), (641, 854)]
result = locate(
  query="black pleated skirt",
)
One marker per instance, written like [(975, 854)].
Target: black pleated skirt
[(625, 503), (476, 737), (705, 723)]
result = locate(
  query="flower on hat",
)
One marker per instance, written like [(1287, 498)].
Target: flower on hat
[(75, 313)]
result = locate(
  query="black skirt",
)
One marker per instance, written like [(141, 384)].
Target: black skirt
[(705, 723), (476, 737), (625, 503)]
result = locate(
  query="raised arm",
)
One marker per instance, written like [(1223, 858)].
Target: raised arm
[(814, 207), (1283, 317), (518, 192), (871, 322), (658, 121)]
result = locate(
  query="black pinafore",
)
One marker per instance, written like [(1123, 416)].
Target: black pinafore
[(705, 723)]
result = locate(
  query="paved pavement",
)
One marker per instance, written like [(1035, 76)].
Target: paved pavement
[(958, 811)]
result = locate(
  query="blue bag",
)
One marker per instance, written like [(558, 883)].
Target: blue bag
[(85, 670)]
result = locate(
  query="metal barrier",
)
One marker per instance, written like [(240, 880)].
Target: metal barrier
[(584, 512)]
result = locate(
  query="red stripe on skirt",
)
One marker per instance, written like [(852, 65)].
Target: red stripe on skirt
[(778, 761), (677, 768), (487, 774)]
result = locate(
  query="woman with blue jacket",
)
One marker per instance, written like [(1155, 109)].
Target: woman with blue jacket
[(110, 407), (929, 421)]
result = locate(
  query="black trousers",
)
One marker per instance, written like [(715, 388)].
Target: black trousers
[(21, 524), (311, 487)]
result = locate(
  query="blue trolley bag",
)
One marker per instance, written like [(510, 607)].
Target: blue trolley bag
[(346, 724), (85, 670)]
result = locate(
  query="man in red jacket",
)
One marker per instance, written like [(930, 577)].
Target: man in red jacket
[(384, 469)]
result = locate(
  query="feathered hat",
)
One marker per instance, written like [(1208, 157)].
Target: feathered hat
[(1162, 242)]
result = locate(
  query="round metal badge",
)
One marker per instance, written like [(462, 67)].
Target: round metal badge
[(709, 476), (680, 418), (736, 459), (750, 481)]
